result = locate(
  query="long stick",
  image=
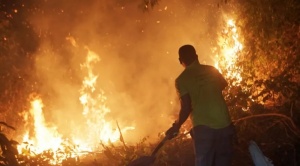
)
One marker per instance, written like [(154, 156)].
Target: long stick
[(121, 136)]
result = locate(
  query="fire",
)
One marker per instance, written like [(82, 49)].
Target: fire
[(230, 46), (42, 136), (45, 137), (93, 102)]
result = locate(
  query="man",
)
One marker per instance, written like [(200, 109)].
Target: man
[(200, 90)]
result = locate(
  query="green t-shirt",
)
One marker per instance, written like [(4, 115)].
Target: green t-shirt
[(203, 84)]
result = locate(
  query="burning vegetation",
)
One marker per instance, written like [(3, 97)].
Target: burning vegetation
[(91, 83)]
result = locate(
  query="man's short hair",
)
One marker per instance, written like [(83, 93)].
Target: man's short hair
[(187, 54)]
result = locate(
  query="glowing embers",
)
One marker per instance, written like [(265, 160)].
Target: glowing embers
[(228, 52)]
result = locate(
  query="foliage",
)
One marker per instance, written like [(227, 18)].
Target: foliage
[(123, 155), (169, 154), (270, 57), (16, 61), (10, 156), (8, 149), (266, 103), (179, 151), (67, 155)]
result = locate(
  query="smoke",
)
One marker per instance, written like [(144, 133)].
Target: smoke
[(138, 52)]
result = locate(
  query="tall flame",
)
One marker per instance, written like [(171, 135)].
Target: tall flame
[(45, 137), (93, 102), (230, 46)]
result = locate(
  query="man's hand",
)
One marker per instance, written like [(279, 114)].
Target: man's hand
[(173, 131)]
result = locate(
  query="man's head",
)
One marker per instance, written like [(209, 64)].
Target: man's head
[(187, 55)]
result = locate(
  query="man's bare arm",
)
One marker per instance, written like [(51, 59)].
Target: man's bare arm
[(185, 109)]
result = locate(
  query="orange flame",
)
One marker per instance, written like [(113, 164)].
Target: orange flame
[(93, 102), (230, 46), (44, 137)]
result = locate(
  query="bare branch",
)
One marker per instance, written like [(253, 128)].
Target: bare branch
[(291, 125)]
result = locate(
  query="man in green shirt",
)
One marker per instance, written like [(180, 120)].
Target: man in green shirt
[(200, 90)]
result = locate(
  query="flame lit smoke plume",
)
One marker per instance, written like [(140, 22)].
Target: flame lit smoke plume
[(133, 83)]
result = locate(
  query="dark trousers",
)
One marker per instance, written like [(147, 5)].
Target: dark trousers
[(213, 147)]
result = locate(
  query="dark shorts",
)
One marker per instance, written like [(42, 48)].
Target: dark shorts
[(213, 147)]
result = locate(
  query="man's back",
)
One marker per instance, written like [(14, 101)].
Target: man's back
[(204, 84)]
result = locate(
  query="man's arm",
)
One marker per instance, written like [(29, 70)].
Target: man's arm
[(184, 113), (185, 109)]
